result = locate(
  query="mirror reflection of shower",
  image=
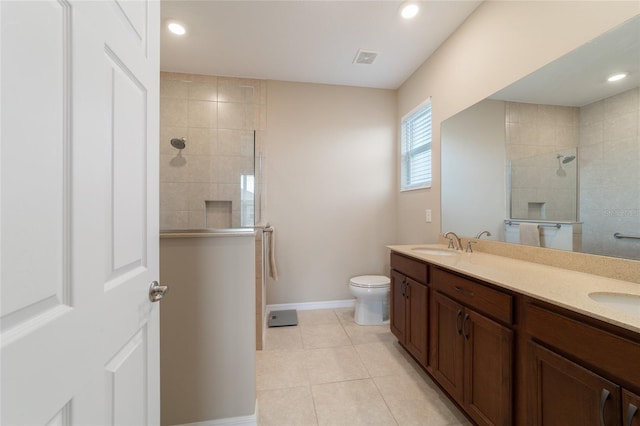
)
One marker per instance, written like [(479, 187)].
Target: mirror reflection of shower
[(179, 143), (563, 159)]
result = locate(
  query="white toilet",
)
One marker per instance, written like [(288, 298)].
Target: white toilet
[(372, 299)]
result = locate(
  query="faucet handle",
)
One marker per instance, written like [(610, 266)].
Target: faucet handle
[(469, 249), (450, 245)]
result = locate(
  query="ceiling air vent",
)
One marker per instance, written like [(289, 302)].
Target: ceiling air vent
[(365, 57)]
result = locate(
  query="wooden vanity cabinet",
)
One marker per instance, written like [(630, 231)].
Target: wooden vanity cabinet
[(579, 371), (409, 305), (471, 355), (569, 395)]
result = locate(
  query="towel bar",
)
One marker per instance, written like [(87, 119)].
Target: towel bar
[(633, 237), (546, 225)]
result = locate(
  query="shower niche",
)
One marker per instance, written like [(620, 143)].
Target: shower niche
[(545, 186)]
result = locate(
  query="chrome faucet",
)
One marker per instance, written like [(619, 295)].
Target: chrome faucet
[(457, 240), (487, 233)]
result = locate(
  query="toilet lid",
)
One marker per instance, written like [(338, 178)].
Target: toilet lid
[(370, 281)]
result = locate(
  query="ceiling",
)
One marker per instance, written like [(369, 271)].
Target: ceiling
[(312, 41)]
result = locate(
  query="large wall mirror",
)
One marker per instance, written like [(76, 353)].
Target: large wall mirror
[(559, 148)]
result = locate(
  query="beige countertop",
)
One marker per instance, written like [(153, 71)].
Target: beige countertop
[(561, 287)]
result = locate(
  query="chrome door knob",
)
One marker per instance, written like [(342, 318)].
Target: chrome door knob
[(157, 291)]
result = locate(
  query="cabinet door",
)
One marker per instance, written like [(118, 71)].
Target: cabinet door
[(565, 394), (488, 366), (446, 357), (417, 311), (398, 312), (630, 409)]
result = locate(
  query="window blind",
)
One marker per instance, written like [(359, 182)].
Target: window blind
[(416, 149)]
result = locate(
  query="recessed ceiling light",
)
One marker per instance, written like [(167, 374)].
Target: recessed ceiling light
[(409, 10), (176, 27), (616, 77)]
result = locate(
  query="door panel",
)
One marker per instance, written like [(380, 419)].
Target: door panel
[(398, 310), (417, 323), (447, 344), (79, 224), (567, 394), (488, 370)]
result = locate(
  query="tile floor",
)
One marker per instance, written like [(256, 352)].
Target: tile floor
[(330, 371)]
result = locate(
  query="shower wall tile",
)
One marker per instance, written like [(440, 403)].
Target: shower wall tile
[(200, 141), (171, 219), (198, 169), (591, 132), (175, 196), (235, 116), (203, 91), (174, 112), (620, 126), (202, 114), (197, 194), (173, 168), (196, 219), (174, 89), (239, 90), (200, 78), (609, 176), (217, 116)]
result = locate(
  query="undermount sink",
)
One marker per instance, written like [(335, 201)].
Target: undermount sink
[(623, 302), (435, 251)]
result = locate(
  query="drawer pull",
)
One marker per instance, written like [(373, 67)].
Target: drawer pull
[(465, 331), (603, 399), (632, 410), (459, 327), (463, 291)]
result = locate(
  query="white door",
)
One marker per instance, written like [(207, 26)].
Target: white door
[(79, 212)]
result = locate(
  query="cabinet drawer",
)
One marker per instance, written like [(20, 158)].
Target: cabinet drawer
[(599, 349), (409, 267), (476, 295)]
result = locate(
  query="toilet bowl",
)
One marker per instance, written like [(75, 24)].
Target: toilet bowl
[(372, 299)]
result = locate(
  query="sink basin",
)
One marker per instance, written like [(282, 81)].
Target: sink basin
[(623, 302), (435, 251)]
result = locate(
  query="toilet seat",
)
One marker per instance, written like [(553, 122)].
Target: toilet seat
[(370, 281)]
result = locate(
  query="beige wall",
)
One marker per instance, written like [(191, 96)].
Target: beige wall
[(501, 42), (207, 328), (331, 159)]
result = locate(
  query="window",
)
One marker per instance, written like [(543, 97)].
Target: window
[(416, 148)]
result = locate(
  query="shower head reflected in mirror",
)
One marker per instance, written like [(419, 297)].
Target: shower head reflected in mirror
[(566, 159), (178, 143)]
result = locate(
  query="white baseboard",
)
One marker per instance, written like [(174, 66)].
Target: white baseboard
[(251, 420), (305, 306)]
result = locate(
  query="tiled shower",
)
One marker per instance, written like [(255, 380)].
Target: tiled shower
[(604, 136), (216, 181)]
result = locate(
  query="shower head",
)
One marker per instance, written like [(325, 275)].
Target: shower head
[(566, 159), (178, 143)]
